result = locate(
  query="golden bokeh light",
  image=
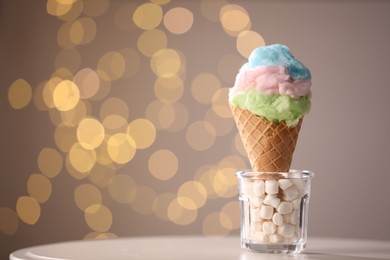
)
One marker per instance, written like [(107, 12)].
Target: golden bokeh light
[(148, 16), (178, 20), (101, 175), (169, 90), (111, 66), (166, 63), (220, 103), (66, 95), (58, 8), (160, 114), (9, 221), (180, 215), (234, 19), (114, 106), (103, 91), (38, 101), (88, 82), (82, 31), (50, 162), (160, 2), (99, 235), (121, 148), (200, 135), (39, 187), (19, 94), (28, 209), (161, 203), (65, 137), (86, 195), (63, 36), (122, 188), (247, 41), (232, 161), (143, 132), (205, 175), (143, 202), (221, 125), (225, 183), (98, 217), (95, 8), (149, 42), (212, 226), (90, 133), (71, 117), (181, 117), (114, 124), (48, 89), (74, 12), (192, 195), (81, 159), (163, 164), (204, 86), (102, 156), (230, 215)]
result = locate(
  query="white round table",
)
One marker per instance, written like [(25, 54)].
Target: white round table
[(200, 248)]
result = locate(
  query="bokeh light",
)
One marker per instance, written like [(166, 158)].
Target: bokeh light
[(204, 86), (143, 132), (90, 133), (111, 66), (82, 31), (163, 164), (66, 95), (152, 41), (95, 8), (39, 187), (86, 195), (98, 217), (247, 41), (121, 148), (200, 135), (166, 63), (50, 162), (234, 19), (213, 227), (178, 20), (87, 81), (148, 16), (19, 94), (180, 215), (122, 188), (9, 221), (81, 159), (192, 195), (169, 89), (28, 209)]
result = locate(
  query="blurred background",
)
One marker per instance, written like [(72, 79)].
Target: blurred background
[(115, 120)]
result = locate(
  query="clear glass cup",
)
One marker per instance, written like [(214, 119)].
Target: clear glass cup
[(274, 210)]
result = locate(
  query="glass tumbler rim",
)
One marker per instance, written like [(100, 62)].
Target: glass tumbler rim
[(291, 174)]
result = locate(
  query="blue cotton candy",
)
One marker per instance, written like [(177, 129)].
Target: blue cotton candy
[(278, 55)]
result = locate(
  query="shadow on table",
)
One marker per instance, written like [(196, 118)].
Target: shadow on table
[(303, 256)]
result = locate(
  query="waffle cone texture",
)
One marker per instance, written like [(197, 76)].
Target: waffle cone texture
[(269, 146)]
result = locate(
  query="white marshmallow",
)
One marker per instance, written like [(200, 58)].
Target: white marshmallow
[(256, 202), (284, 184), (294, 217), (266, 211), (301, 186), (269, 227), (271, 187), (255, 214), (271, 200), (290, 194), (260, 237), (247, 188), (277, 218), (285, 207), (296, 203), (275, 238), (286, 230), (258, 188)]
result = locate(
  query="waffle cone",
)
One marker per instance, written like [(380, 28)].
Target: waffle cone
[(269, 146)]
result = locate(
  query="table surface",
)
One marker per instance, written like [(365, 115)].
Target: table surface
[(198, 247)]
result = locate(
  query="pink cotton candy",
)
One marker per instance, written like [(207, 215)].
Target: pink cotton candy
[(270, 80)]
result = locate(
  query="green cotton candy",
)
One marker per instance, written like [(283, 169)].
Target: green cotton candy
[(274, 107)]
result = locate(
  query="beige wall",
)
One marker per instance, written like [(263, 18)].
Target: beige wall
[(344, 139)]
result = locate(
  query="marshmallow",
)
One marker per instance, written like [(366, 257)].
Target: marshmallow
[(256, 202), (266, 211), (296, 203), (271, 200), (290, 194), (294, 217), (301, 186), (269, 227), (277, 218), (284, 184), (260, 236), (271, 187), (258, 188), (285, 230), (275, 238), (285, 207), (247, 188), (255, 214)]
